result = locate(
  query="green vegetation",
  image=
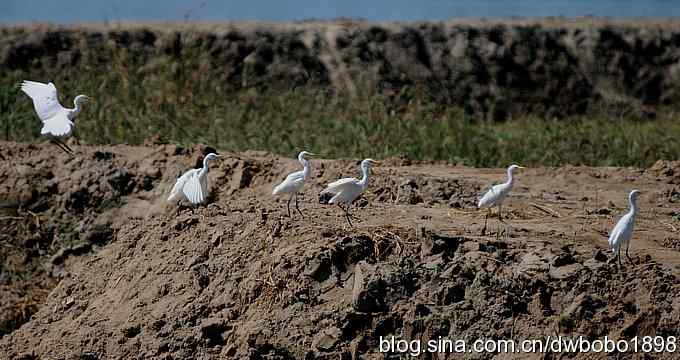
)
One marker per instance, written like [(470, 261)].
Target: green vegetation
[(187, 108), (283, 87)]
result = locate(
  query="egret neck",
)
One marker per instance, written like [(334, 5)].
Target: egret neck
[(205, 168), (365, 169), (306, 169), (511, 177), (632, 201), (76, 110)]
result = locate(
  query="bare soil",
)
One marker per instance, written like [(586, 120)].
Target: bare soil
[(105, 269)]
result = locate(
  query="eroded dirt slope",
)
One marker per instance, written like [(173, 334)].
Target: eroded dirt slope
[(493, 69), (238, 278)]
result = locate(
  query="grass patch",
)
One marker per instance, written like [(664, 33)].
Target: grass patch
[(181, 105)]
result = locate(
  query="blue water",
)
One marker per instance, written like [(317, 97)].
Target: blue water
[(70, 11)]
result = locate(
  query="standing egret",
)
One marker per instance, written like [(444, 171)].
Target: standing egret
[(348, 189), (57, 120), (193, 185), (623, 231), (498, 193), (295, 181)]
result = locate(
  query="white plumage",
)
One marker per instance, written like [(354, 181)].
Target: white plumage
[(623, 231), (346, 190), (497, 194), (294, 182), (291, 184), (192, 186), (57, 120)]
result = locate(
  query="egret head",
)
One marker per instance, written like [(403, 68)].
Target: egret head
[(368, 163), (305, 155), (210, 157), (512, 168), (634, 195), (81, 99)]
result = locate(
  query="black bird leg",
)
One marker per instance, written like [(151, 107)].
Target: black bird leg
[(66, 146), (347, 216), (62, 146), (486, 218), (297, 207), (288, 206)]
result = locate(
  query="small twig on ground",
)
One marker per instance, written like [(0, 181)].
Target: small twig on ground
[(35, 217), (490, 258), (671, 226), (117, 281), (645, 265), (10, 218), (546, 210)]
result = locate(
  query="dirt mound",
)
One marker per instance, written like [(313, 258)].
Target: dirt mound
[(54, 207), (237, 278), (668, 170)]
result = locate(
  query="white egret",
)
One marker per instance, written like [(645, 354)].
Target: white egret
[(295, 181), (57, 120), (623, 231), (193, 185), (497, 194), (347, 190)]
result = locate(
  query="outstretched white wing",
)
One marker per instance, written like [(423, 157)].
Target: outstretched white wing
[(193, 189), (45, 99), (176, 193), (340, 185)]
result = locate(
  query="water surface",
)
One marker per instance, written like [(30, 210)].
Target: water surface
[(70, 11)]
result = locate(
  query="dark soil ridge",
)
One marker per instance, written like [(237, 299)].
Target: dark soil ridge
[(491, 69), (238, 279)]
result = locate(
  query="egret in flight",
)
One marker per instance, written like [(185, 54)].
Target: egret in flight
[(57, 120), (193, 185), (497, 194), (346, 190), (295, 181), (623, 231)]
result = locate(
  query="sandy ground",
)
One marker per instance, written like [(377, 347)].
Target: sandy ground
[(239, 279)]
